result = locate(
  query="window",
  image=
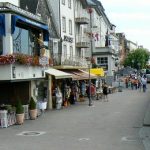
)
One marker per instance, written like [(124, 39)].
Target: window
[(63, 24), (63, 2), (69, 3), (70, 27), (25, 41), (71, 52), (102, 61), (65, 51), (1, 45)]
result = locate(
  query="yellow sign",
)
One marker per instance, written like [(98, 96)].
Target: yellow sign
[(97, 71)]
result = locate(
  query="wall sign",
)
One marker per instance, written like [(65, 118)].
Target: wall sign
[(68, 39), (43, 60)]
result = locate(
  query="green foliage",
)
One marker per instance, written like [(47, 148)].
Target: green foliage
[(32, 104), (19, 108), (137, 59)]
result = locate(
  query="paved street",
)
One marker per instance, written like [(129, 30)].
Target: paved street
[(112, 125)]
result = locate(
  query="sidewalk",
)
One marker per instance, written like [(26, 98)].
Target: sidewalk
[(145, 130)]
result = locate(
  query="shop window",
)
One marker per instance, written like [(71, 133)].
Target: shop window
[(1, 45), (25, 41)]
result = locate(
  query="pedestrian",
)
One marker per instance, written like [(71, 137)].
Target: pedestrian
[(105, 91), (139, 83), (144, 82), (127, 82)]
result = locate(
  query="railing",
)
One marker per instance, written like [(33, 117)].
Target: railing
[(81, 17), (68, 60), (82, 41)]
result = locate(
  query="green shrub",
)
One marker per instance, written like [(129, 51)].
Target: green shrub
[(32, 104), (19, 108)]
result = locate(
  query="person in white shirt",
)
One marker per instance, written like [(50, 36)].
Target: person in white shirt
[(144, 82)]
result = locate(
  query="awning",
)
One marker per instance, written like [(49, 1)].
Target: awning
[(16, 18), (97, 71), (58, 74), (80, 74)]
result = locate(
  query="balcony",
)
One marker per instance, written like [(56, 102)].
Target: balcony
[(105, 50), (69, 61), (11, 72), (21, 66), (82, 20), (82, 41)]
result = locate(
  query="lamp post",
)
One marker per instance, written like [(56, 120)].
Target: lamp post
[(89, 92)]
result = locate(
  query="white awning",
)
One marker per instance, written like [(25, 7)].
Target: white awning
[(58, 74)]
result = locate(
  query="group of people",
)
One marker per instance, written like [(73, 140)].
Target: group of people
[(136, 82), (101, 86)]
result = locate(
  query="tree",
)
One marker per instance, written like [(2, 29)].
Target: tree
[(137, 59)]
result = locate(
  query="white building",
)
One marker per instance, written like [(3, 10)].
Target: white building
[(82, 22), (105, 43)]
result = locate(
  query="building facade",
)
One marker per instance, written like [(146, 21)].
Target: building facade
[(23, 57)]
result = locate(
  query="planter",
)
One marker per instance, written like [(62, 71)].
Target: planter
[(19, 119), (33, 114)]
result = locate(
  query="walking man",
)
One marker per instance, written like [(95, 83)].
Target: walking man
[(144, 82)]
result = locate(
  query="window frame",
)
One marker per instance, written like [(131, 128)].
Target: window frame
[(64, 24), (70, 26), (103, 62), (63, 2), (29, 51), (69, 4), (71, 51)]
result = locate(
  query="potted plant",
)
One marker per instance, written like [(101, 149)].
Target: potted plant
[(32, 109), (19, 113)]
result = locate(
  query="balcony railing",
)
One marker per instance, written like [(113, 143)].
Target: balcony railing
[(82, 20), (82, 41), (68, 60)]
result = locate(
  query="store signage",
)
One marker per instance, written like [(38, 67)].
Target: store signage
[(68, 39), (43, 60)]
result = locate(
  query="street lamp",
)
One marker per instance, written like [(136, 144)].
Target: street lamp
[(89, 92)]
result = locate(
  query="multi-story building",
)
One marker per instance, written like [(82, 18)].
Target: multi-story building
[(82, 22), (131, 45), (105, 45), (67, 26)]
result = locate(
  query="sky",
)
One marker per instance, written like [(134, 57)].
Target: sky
[(132, 17)]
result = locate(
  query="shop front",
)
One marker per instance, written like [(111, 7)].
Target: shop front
[(57, 87), (23, 40), (80, 82)]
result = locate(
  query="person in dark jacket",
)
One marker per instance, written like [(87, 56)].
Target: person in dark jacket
[(105, 91)]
